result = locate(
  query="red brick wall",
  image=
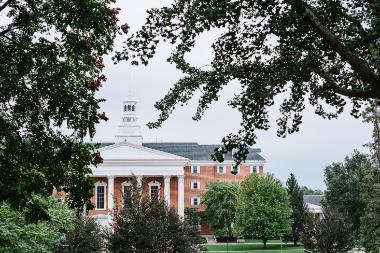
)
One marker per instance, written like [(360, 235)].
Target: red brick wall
[(207, 174)]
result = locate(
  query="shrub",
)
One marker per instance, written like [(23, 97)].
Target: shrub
[(85, 237), (332, 234), (18, 235)]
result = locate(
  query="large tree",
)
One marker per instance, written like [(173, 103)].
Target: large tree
[(220, 199), (299, 208), (344, 186), (326, 52), (50, 69), (370, 221), (263, 210)]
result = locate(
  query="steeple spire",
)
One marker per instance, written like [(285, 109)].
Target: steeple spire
[(129, 130)]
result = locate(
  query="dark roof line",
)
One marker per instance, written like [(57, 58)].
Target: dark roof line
[(193, 150)]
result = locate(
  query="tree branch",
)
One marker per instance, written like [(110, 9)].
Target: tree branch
[(2, 7), (2, 33), (366, 74), (353, 93)]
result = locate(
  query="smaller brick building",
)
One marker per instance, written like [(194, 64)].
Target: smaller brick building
[(178, 172)]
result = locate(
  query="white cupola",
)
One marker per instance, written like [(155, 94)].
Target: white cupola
[(129, 130)]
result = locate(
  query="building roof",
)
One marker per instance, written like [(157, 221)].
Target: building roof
[(313, 199), (193, 150), (197, 152)]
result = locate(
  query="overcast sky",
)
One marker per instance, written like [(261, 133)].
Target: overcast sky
[(319, 143)]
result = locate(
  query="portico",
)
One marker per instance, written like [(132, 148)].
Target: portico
[(163, 172)]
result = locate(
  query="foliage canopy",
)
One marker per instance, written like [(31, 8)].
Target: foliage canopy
[(344, 187), (263, 210), (326, 52), (50, 69), (220, 199), (17, 234)]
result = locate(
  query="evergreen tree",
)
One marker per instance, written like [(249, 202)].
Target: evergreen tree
[(299, 208), (148, 225)]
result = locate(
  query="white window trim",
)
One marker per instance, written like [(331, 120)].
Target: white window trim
[(257, 169), (125, 183), (100, 183), (192, 185), (154, 183), (199, 169), (192, 201), (224, 169)]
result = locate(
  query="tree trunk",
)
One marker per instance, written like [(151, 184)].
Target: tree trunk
[(265, 242)]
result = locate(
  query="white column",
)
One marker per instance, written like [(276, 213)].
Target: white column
[(167, 189), (181, 196), (110, 192), (139, 180)]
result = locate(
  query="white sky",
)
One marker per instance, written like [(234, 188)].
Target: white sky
[(319, 143)]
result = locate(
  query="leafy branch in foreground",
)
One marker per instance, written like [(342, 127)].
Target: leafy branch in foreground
[(50, 69), (326, 52)]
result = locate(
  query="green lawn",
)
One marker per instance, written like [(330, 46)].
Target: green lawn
[(256, 248)]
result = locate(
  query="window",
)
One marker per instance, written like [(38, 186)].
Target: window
[(129, 107), (133, 108), (237, 168), (154, 189), (127, 193), (100, 197), (195, 169), (195, 185), (125, 108), (195, 201), (221, 169), (254, 169)]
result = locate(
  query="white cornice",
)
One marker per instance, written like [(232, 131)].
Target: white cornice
[(154, 151), (226, 162)]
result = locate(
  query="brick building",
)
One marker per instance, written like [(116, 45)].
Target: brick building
[(178, 172)]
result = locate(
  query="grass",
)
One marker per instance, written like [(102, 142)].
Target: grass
[(256, 248)]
